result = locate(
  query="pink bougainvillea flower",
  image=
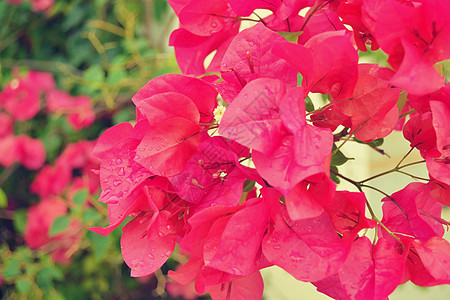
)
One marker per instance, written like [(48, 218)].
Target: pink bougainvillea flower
[(294, 160), (370, 272), (328, 63), (253, 119), (8, 155), (434, 255), (308, 249), (40, 218), (119, 172), (204, 18), (191, 50), (52, 180), (145, 244), (244, 288), (78, 109), (439, 169), (309, 198), (361, 15), (183, 291), (372, 107), (213, 176), (321, 21), (420, 133), (415, 39), (173, 135), (235, 246), (249, 57), (200, 92), (21, 96), (167, 146), (30, 152), (441, 111), (199, 227), (6, 125), (78, 154), (23, 149), (347, 212), (414, 213)]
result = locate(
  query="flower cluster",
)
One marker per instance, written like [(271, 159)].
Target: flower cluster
[(254, 189), (56, 186), (20, 101)]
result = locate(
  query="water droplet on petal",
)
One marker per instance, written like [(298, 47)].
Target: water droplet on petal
[(236, 271), (113, 200), (118, 161), (214, 24), (251, 44), (150, 256), (277, 247), (121, 172), (168, 253), (117, 182)]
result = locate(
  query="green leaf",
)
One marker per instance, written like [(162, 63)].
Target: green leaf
[(94, 74), (91, 215), (45, 277), (3, 199), (115, 76), (19, 220), (333, 176), (375, 143), (59, 225), (99, 243), (11, 268), (338, 158), (309, 105), (80, 198), (23, 285)]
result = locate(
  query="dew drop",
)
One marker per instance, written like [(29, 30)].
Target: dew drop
[(168, 253), (277, 247), (236, 271), (158, 148), (214, 24), (251, 44), (118, 161), (121, 172), (117, 182), (151, 256), (113, 200)]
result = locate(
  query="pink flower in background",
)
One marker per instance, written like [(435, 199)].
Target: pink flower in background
[(78, 109), (22, 96), (39, 221)]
